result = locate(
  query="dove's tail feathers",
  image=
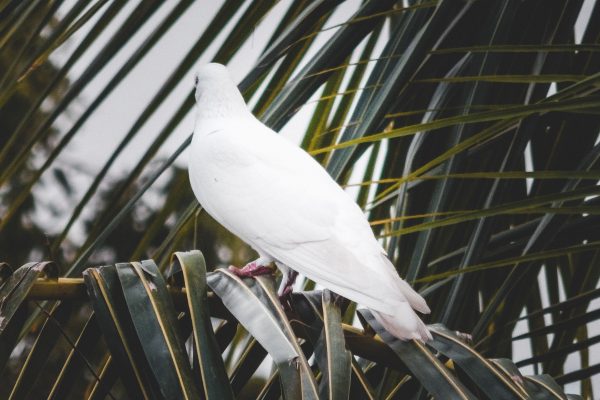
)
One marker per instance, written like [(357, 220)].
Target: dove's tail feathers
[(414, 299), (404, 324)]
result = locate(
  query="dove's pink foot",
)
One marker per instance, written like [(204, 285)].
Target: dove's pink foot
[(287, 286), (250, 270)]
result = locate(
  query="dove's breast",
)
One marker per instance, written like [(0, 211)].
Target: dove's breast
[(216, 167)]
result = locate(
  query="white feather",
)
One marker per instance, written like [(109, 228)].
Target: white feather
[(278, 199)]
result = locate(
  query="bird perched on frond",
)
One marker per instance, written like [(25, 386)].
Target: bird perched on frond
[(279, 200)]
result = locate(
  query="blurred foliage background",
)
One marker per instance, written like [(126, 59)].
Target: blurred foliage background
[(467, 130)]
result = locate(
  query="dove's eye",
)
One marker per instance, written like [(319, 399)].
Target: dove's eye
[(196, 81)]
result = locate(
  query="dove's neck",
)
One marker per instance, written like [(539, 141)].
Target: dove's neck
[(220, 100)]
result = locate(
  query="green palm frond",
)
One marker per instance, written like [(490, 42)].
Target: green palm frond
[(147, 326)]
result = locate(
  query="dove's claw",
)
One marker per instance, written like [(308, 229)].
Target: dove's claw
[(287, 285), (285, 294), (250, 270), (287, 291), (285, 298), (286, 288)]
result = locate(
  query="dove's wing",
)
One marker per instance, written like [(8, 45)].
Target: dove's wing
[(274, 196)]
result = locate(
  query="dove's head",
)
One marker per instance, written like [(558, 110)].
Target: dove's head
[(216, 93), (211, 72)]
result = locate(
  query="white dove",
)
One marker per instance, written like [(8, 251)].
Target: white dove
[(278, 199)]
